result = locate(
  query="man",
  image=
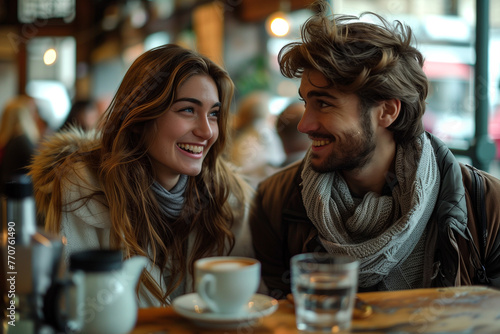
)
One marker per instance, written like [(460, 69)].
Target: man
[(374, 185)]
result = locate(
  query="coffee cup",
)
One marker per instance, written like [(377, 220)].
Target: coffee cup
[(227, 283)]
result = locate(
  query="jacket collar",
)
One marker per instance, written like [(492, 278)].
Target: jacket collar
[(451, 208), (293, 208)]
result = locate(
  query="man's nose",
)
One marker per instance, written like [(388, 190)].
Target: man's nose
[(307, 122)]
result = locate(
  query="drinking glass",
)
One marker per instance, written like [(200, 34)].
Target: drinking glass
[(324, 288)]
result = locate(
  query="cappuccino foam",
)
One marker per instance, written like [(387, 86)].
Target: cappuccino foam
[(225, 265)]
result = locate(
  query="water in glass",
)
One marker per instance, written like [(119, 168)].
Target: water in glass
[(324, 302)]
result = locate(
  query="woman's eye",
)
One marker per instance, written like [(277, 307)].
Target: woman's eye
[(187, 109), (214, 113)]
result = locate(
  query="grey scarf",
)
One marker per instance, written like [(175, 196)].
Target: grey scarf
[(171, 202), (381, 231)]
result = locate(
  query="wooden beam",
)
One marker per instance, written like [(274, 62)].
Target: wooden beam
[(208, 24), (259, 10)]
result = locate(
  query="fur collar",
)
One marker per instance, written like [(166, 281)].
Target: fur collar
[(57, 159)]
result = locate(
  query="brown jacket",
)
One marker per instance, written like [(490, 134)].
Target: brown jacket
[(281, 228)]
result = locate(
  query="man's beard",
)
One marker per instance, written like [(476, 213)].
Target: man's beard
[(356, 153)]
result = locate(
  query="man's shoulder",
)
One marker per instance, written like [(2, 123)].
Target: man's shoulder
[(285, 177), (491, 182)]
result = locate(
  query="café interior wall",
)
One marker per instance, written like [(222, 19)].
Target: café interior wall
[(8, 83), (8, 68), (238, 51)]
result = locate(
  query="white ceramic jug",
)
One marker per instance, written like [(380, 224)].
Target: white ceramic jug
[(100, 293)]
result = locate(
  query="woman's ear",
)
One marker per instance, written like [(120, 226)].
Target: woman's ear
[(389, 112)]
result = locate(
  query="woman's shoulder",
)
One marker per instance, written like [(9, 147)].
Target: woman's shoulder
[(60, 168), (283, 179), (60, 155)]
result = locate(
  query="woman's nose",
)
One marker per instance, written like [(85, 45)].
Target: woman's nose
[(204, 128)]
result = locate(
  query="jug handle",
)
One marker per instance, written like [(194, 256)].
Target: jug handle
[(70, 320)]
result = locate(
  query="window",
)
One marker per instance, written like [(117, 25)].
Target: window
[(29, 11)]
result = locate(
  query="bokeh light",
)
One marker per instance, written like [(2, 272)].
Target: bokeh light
[(280, 26), (49, 57)]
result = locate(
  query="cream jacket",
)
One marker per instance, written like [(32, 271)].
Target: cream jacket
[(85, 224)]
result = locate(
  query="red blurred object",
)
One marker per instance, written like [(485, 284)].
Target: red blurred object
[(494, 129)]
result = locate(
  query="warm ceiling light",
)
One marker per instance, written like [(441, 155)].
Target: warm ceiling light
[(49, 57), (278, 24)]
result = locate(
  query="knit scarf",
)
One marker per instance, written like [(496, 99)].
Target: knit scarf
[(171, 202), (380, 231)]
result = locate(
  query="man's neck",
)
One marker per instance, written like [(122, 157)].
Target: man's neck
[(374, 176)]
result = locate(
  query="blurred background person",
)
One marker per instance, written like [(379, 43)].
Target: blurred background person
[(21, 129), (256, 148), (83, 114), (295, 143)]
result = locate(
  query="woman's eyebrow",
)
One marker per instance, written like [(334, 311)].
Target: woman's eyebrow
[(196, 101), (189, 99)]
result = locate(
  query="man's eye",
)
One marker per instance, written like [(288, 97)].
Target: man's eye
[(323, 104)]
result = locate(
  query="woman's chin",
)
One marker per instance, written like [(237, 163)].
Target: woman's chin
[(192, 171)]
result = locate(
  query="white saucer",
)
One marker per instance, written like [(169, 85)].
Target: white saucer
[(194, 308)]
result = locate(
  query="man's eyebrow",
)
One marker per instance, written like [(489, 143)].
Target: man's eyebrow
[(318, 93), (196, 101)]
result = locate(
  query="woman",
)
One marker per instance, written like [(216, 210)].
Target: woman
[(21, 129), (153, 182)]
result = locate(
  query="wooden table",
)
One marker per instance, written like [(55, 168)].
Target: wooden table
[(442, 310)]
